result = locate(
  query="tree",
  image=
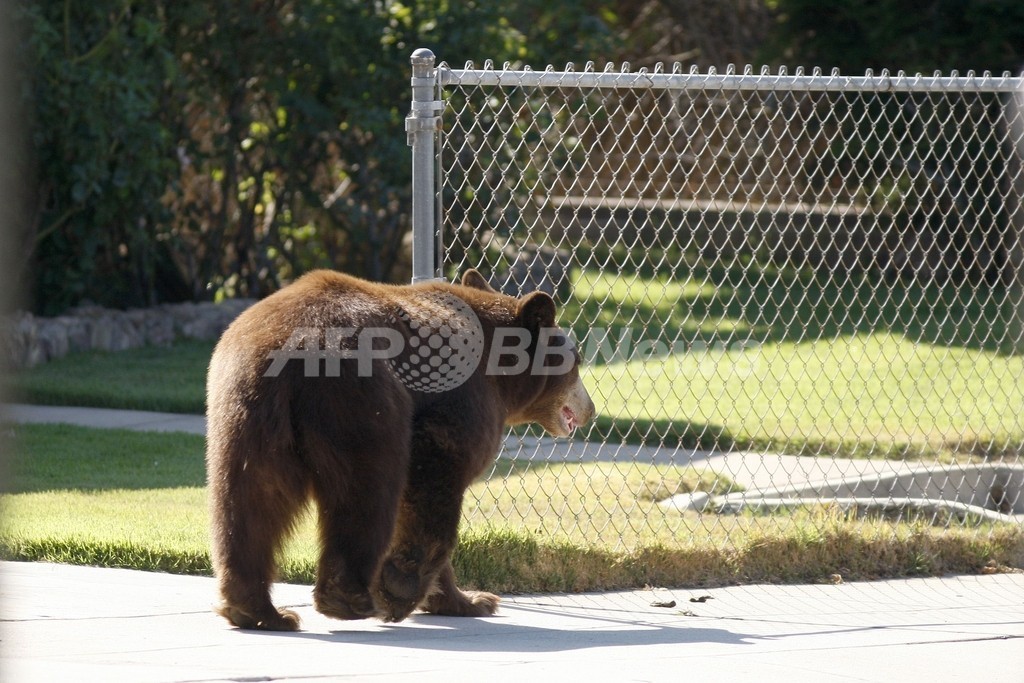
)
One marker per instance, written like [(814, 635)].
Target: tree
[(914, 35), (102, 155), (193, 148)]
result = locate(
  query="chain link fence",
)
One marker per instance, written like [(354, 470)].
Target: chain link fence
[(797, 296)]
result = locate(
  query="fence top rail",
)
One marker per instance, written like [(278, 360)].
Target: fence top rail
[(816, 80)]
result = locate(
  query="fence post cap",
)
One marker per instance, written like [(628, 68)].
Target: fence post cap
[(422, 56)]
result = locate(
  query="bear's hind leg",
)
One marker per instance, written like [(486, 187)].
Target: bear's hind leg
[(358, 508), (251, 520), (353, 543), (264, 617)]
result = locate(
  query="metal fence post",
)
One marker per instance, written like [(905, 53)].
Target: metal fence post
[(422, 126), (1013, 113)]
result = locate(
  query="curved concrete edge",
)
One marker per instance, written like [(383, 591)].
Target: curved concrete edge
[(963, 511), (977, 490)]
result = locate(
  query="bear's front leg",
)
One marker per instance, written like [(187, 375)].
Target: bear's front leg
[(417, 571), (452, 443), (405, 585), (424, 539)]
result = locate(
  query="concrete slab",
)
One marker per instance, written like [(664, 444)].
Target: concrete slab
[(82, 623), (749, 469)]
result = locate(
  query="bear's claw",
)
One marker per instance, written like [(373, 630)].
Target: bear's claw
[(399, 591)]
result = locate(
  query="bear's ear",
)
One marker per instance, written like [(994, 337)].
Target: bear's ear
[(473, 278), (537, 310)]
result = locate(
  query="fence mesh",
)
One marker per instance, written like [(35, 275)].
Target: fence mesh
[(793, 294)]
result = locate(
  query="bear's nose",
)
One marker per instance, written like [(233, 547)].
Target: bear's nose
[(591, 409), (583, 405), (588, 412)]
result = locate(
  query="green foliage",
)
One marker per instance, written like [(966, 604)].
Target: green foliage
[(188, 149), (931, 163), (99, 75), (191, 149)]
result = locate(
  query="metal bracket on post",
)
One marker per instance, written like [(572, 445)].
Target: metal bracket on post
[(422, 126)]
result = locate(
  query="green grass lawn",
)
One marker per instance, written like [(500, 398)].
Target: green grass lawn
[(768, 358), (742, 357), (130, 499), (871, 395)]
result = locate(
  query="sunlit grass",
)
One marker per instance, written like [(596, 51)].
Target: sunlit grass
[(612, 505), (835, 396), (753, 359)]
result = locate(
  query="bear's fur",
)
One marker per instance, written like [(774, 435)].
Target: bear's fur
[(386, 465)]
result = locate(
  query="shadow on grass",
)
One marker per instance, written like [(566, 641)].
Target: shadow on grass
[(686, 435), (768, 304), (661, 432)]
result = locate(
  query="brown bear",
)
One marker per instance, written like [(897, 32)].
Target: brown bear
[(381, 403)]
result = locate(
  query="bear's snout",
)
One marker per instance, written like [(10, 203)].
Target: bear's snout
[(577, 409)]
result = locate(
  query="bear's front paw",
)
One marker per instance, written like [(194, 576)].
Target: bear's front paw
[(463, 604)]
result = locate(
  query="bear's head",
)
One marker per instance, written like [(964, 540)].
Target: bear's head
[(547, 388)]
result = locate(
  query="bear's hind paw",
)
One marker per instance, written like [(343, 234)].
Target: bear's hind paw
[(346, 606), (277, 620)]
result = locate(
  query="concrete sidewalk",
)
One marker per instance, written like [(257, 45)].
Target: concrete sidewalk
[(104, 418), (87, 624)]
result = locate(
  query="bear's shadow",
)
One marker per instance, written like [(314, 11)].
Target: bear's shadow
[(496, 634)]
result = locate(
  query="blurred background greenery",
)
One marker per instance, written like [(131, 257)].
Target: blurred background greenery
[(190, 150)]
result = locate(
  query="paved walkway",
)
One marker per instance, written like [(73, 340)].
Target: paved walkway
[(89, 624), (85, 624), (105, 418)]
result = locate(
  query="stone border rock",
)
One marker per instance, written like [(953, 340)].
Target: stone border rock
[(27, 340)]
